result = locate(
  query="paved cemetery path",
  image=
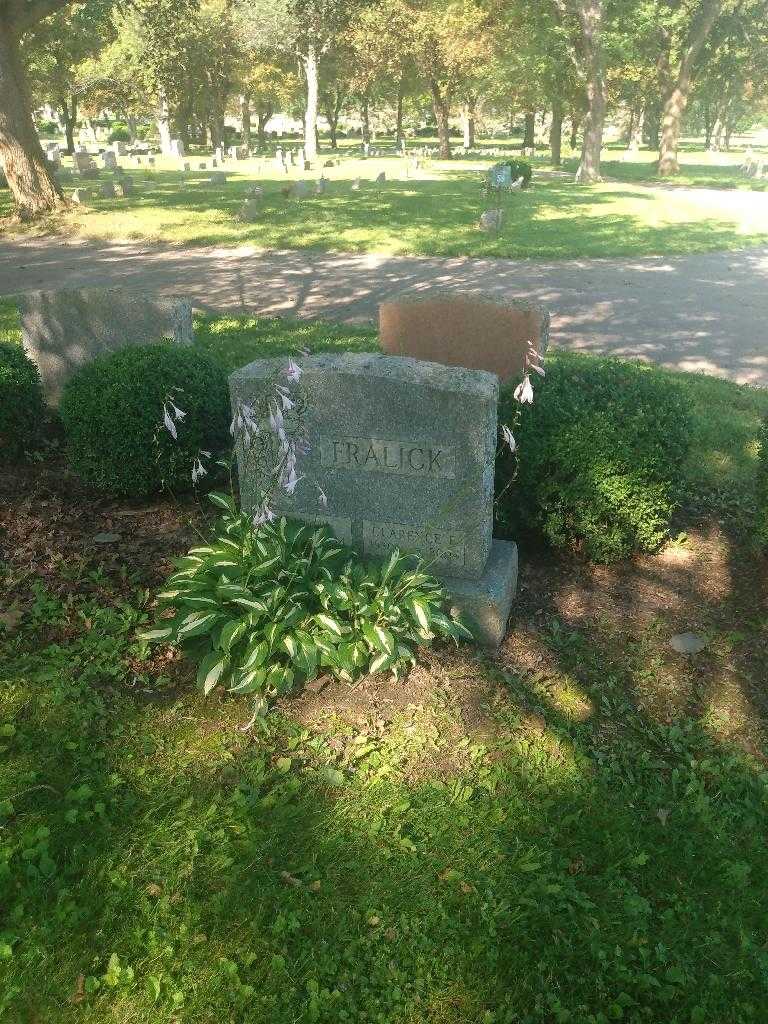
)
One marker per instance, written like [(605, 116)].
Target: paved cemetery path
[(704, 312)]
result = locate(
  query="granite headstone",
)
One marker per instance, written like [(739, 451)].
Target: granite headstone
[(63, 330), (404, 451)]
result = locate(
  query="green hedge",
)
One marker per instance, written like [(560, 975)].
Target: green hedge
[(22, 408), (112, 411), (601, 449)]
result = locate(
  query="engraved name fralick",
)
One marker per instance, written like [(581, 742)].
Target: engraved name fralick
[(374, 455), (445, 546)]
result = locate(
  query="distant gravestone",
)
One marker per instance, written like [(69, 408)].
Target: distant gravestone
[(404, 451), (124, 187), (500, 176), (107, 190), (218, 178), (491, 220), (109, 160), (300, 190), (177, 148), (357, 185), (474, 330), (119, 148), (320, 186), (79, 196), (381, 178), (62, 331)]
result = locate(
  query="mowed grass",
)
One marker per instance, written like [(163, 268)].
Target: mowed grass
[(570, 833), (434, 211)]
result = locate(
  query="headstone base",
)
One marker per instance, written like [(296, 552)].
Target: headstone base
[(485, 604)]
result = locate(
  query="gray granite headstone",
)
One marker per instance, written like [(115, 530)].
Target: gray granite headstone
[(404, 450), (62, 331)]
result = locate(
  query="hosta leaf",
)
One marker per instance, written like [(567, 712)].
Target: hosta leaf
[(197, 601), (380, 663), (421, 612), (256, 654), (267, 567), (196, 624), (249, 682), (211, 671), (252, 604), (156, 634), (223, 501), (280, 678), (331, 624), (231, 632)]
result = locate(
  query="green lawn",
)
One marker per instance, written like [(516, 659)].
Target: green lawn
[(435, 210), (571, 833)]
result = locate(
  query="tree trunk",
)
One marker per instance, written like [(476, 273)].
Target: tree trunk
[(263, 115), (468, 122), (310, 116), (678, 98), (399, 135), (591, 18), (575, 125), (556, 132), (365, 119), (529, 137), (708, 125), (33, 186), (69, 117), (245, 116), (332, 103), (441, 107), (130, 123), (164, 123)]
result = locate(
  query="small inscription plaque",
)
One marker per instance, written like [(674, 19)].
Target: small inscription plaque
[(374, 455), (446, 547)]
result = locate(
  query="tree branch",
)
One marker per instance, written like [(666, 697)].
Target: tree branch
[(27, 13)]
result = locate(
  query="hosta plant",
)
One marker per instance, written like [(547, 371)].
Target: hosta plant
[(264, 608)]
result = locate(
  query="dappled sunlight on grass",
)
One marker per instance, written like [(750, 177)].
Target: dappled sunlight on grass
[(434, 212)]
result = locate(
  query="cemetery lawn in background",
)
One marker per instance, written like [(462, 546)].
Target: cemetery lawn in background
[(435, 211), (575, 827)]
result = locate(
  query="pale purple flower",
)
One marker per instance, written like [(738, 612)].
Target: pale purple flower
[(264, 515), (170, 426), (276, 420), (285, 398), (509, 438), (533, 360), (293, 372), (524, 391), (198, 471), (322, 497), (291, 481), (178, 413)]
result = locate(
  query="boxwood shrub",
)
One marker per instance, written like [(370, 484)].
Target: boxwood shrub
[(601, 450), (112, 411), (22, 409)]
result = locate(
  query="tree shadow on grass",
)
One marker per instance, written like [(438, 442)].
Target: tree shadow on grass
[(554, 219), (526, 836)]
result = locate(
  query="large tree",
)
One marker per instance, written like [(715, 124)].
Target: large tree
[(701, 22), (34, 188)]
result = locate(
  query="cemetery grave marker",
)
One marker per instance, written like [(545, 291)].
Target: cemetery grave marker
[(63, 330), (404, 450), (473, 330)]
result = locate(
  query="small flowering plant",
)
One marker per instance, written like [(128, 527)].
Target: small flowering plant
[(523, 396), (263, 609)]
